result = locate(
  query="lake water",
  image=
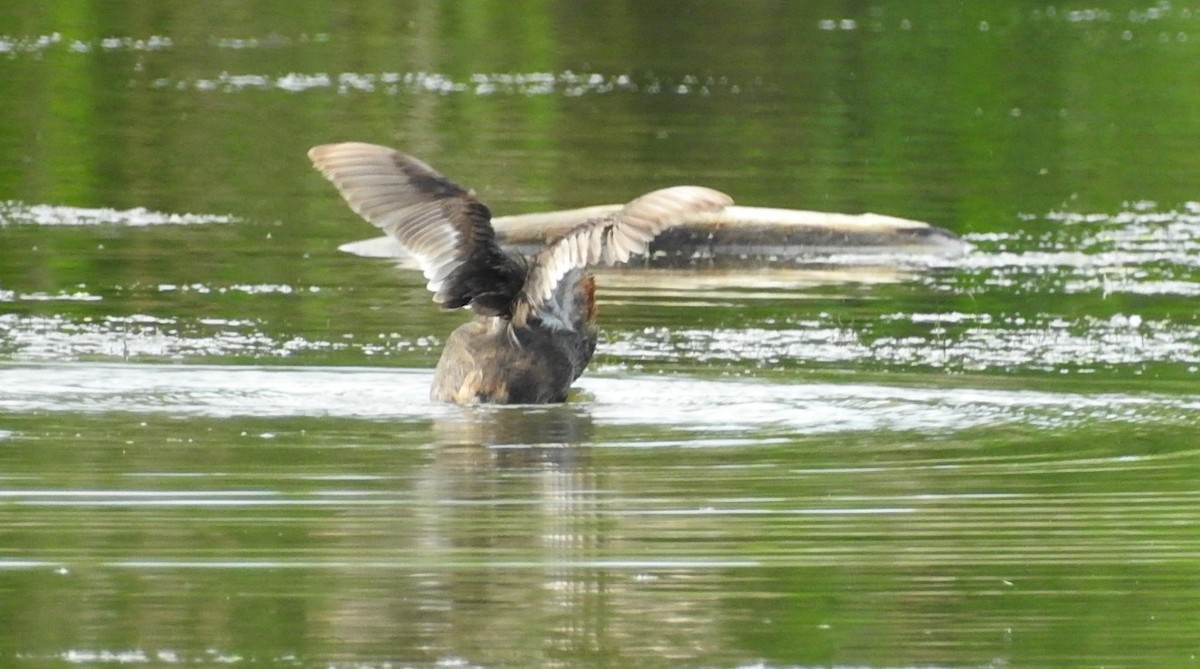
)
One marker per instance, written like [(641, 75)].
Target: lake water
[(216, 445)]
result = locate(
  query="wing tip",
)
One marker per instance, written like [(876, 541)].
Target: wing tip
[(319, 151), (702, 196), (325, 152)]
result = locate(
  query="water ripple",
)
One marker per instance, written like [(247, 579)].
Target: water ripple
[(682, 403)]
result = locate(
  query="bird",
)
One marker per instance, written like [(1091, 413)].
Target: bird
[(533, 331)]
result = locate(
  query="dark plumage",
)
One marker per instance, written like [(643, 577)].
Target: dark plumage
[(534, 330)]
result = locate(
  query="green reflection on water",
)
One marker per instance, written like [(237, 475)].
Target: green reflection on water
[(539, 539), (338, 539)]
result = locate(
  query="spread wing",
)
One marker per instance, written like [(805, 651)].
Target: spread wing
[(615, 237), (441, 224)]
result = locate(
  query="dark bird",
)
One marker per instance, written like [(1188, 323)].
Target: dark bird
[(534, 329)]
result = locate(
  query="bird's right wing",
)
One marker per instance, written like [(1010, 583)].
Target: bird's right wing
[(444, 226)]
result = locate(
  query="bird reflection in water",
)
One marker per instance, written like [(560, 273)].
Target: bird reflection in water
[(515, 436)]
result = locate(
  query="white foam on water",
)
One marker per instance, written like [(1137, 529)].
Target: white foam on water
[(20, 213)]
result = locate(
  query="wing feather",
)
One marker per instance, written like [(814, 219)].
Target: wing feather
[(444, 226), (615, 237)]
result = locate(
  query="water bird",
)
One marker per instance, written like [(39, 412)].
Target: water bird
[(534, 328)]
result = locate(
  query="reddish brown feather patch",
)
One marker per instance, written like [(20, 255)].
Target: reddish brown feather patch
[(589, 290)]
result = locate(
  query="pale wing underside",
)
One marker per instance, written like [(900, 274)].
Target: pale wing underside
[(616, 237), (441, 224)]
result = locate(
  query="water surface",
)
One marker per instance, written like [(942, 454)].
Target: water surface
[(216, 445)]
